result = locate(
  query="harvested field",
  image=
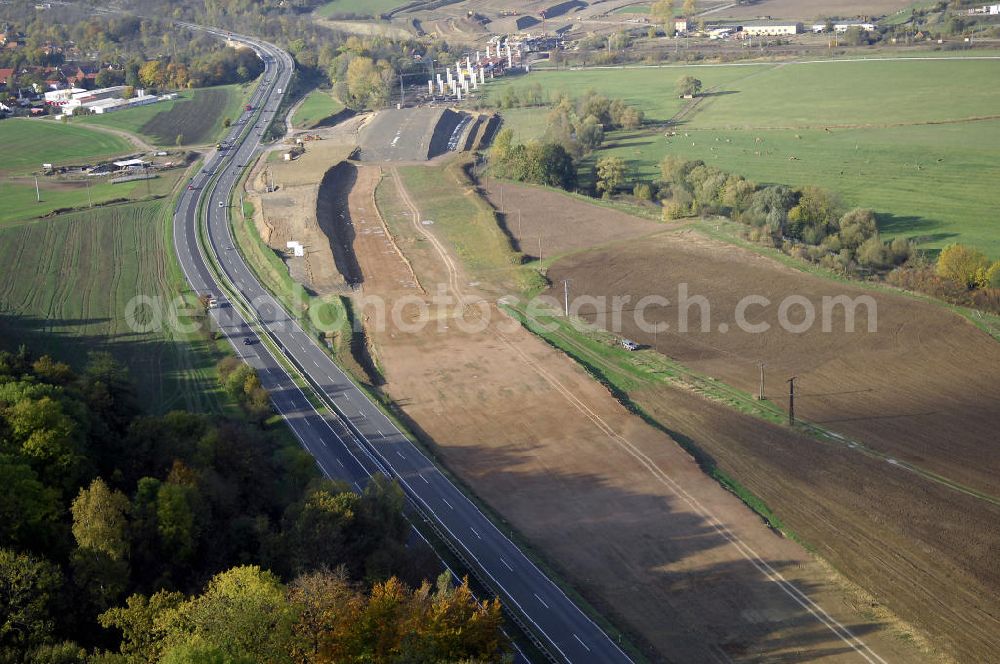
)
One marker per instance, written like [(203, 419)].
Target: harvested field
[(551, 450), (921, 549), (533, 218), (76, 274), (808, 10), (924, 386), (197, 120)]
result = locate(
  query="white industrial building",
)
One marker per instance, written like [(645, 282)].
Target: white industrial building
[(843, 27), (101, 101), (772, 29)]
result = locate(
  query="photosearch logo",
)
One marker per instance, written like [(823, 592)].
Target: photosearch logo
[(651, 314), (687, 313)]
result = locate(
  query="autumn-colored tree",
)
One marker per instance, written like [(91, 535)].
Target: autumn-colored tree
[(338, 623), (152, 74), (242, 614), (662, 12), (100, 520), (963, 265), (610, 175), (688, 86), (141, 622)]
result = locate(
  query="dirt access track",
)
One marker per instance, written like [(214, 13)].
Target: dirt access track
[(615, 505), (923, 549)]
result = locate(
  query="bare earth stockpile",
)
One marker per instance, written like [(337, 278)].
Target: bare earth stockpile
[(292, 200), (924, 549), (618, 507)]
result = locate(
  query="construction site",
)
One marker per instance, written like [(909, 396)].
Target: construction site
[(385, 213)]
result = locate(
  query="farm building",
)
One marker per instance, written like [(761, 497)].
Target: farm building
[(771, 29), (680, 24)]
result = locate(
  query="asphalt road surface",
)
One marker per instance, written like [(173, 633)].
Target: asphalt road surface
[(362, 439), (400, 134)]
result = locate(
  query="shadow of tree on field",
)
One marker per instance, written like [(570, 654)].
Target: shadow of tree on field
[(165, 371)]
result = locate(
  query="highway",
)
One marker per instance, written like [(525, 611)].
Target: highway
[(361, 439)]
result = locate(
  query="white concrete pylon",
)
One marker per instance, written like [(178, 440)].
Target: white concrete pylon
[(440, 85), (482, 76), (430, 86), (478, 59)]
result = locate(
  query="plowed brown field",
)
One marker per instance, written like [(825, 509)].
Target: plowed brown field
[(616, 505)]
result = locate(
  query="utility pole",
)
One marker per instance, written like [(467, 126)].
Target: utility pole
[(402, 94), (38, 193), (760, 393), (566, 296), (519, 224), (791, 401), (539, 248), (501, 199)]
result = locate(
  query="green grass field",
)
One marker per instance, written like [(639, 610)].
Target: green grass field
[(27, 144), (897, 136), (370, 8), (466, 223), (66, 286), (318, 105), (654, 90), (197, 115), (20, 202)]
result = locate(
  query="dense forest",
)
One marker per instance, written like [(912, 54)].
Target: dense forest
[(194, 538)]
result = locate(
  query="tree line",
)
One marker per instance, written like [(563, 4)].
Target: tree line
[(185, 537), (139, 52), (575, 127)]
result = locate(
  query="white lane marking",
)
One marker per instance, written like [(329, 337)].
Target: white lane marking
[(423, 478), (400, 454), (540, 600), (505, 564), (341, 463), (474, 532), (581, 642), (380, 435), (445, 501)]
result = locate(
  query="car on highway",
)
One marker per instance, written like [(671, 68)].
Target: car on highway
[(222, 204), (248, 341), (190, 187)]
